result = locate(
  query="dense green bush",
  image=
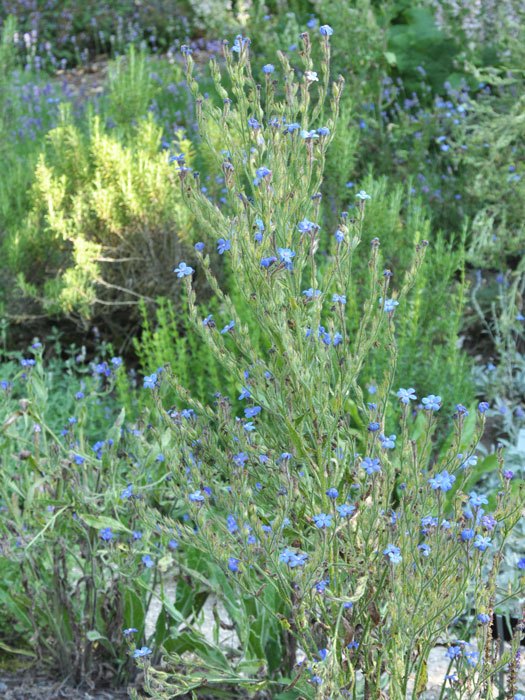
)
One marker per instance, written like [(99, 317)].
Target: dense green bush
[(106, 224)]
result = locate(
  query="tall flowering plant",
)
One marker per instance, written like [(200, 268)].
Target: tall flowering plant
[(341, 546)]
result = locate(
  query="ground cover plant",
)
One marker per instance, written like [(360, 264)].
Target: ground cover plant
[(274, 446)]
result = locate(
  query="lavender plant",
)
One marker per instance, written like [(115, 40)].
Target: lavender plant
[(341, 545)]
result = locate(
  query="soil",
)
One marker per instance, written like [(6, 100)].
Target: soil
[(31, 686)]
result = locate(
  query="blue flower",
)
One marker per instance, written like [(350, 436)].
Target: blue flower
[(461, 410), (390, 305), (483, 407), (27, 362), (362, 195), (129, 631), (240, 459), (196, 496), (312, 293), (406, 395), (345, 510), (483, 618), (322, 520), (239, 43), (127, 492), (306, 226), (268, 262), (453, 652), (293, 559), (332, 493), (323, 131), (476, 500), (253, 123), (228, 327), (199, 247), (326, 30), (482, 543), (286, 256), (143, 651), (245, 394), (424, 549), (183, 270), (78, 459), (339, 236), (431, 402), (223, 245), (388, 443), (393, 553), (339, 298), (467, 534), (371, 465), (233, 564), (148, 561), (373, 427), (268, 69), (231, 524), (252, 411), (151, 381), (442, 481), (106, 534)]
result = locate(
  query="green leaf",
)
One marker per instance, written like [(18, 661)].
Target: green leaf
[(390, 58), (93, 635), (100, 522)]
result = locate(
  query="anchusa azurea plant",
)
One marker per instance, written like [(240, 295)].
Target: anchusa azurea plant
[(341, 547)]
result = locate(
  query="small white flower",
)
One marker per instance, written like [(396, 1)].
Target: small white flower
[(311, 76), (362, 195)]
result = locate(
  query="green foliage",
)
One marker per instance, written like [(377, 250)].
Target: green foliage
[(329, 542), (106, 224)]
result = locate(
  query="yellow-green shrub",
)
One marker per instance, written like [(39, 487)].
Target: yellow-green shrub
[(106, 224)]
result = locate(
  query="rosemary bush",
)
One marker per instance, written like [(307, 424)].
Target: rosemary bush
[(327, 525)]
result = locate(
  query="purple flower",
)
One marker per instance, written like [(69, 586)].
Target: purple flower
[(483, 407)]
